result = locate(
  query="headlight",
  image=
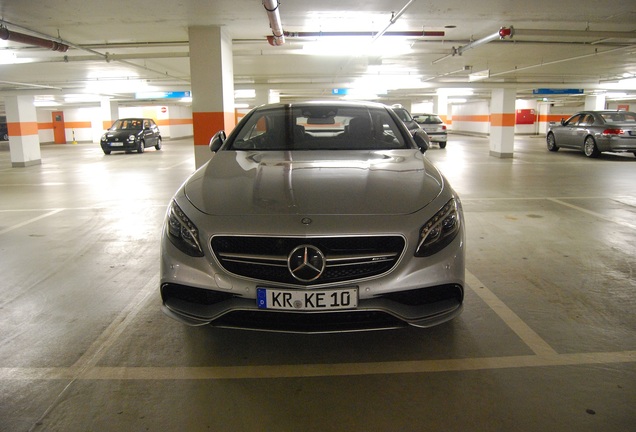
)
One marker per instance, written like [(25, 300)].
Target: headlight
[(103, 137), (131, 138), (182, 232), (440, 230)]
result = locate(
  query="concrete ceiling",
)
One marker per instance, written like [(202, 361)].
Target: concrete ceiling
[(119, 47)]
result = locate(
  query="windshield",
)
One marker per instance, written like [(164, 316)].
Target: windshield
[(427, 119), (127, 124), (319, 127), (403, 114)]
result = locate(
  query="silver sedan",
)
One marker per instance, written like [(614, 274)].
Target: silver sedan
[(594, 132), (315, 217)]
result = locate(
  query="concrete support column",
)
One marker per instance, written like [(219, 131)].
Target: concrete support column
[(262, 96), (595, 102), (502, 123), (109, 112), (22, 124), (273, 97), (212, 75), (440, 106)]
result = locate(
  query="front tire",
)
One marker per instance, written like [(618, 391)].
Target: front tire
[(551, 142), (590, 149), (141, 146), (158, 145)]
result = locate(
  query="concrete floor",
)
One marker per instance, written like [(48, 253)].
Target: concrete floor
[(547, 341)]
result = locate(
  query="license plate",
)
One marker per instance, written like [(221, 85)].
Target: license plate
[(307, 300), (116, 144)]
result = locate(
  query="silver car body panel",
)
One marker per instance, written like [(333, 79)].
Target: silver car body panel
[(573, 131), (308, 196)]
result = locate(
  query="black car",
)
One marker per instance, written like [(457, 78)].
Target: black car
[(4, 131), (131, 134)]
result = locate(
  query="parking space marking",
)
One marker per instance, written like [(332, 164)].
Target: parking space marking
[(27, 222), (511, 319), (187, 161), (598, 215), (86, 367), (318, 370)]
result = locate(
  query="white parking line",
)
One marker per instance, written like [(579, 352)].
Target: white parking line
[(598, 215), (86, 367), (511, 319), (27, 222)]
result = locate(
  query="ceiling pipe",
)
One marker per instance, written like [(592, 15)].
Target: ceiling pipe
[(501, 34), (278, 36), (413, 34), (5, 34), (392, 21)]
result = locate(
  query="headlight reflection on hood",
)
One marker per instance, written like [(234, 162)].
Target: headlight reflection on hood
[(182, 232), (440, 230)]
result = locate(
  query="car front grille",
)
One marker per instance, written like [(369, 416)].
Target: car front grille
[(346, 258)]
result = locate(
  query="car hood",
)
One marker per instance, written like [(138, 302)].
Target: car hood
[(121, 134), (314, 182)]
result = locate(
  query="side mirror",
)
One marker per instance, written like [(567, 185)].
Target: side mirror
[(217, 141), (562, 122), (421, 139)]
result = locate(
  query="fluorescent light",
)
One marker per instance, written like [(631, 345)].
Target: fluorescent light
[(245, 94), (356, 46), (46, 103), (80, 98), (478, 76), (455, 91)]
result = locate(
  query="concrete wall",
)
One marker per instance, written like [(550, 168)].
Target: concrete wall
[(85, 124)]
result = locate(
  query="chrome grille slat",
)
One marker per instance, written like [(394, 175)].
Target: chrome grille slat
[(347, 258)]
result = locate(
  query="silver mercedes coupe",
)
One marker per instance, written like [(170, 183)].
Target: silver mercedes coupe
[(315, 217)]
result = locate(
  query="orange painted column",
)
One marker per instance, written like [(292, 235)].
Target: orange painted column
[(502, 123), (22, 125), (212, 81)]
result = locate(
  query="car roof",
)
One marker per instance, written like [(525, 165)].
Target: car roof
[(325, 103)]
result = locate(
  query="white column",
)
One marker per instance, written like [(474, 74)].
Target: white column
[(274, 96), (262, 96), (22, 122), (440, 106), (212, 75), (109, 111), (595, 102), (502, 123)]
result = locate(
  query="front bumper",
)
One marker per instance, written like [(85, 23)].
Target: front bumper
[(119, 146), (423, 307)]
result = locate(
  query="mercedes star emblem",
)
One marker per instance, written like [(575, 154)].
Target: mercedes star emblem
[(306, 263)]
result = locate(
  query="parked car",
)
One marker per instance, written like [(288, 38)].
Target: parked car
[(594, 132), (406, 118), (434, 127), (314, 217), (131, 134), (4, 131)]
